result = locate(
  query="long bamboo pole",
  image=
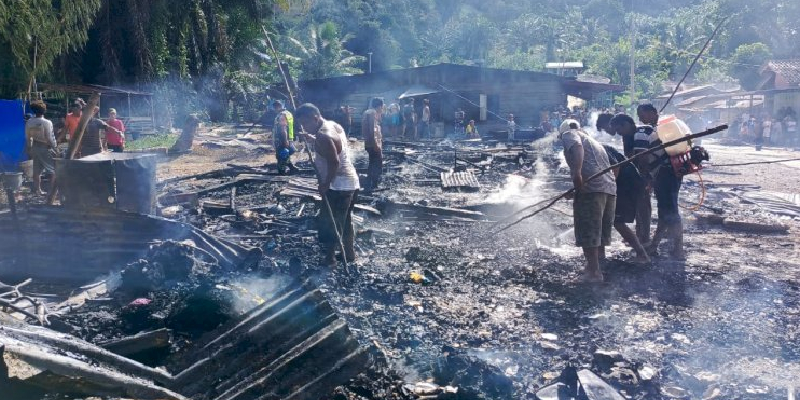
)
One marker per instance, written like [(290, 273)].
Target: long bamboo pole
[(617, 165), (697, 57)]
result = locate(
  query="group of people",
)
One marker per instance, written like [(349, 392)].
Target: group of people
[(44, 144), (612, 199), (406, 121), (619, 196), (767, 130)]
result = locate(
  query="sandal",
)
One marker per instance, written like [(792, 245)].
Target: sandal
[(586, 278)]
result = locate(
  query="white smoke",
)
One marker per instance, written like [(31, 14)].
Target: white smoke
[(252, 291)]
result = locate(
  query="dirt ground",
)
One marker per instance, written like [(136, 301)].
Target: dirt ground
[(500, 317), (210, 153), (723, 324)]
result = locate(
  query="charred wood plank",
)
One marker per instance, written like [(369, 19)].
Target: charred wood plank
[(35, 365), (64, 342), (140, 342)]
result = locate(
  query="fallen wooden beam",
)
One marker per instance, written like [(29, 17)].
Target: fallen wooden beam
[(390, 207), (64, 342), (32, 364), (140, 342)]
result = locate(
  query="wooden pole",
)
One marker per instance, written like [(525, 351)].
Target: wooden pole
[(617, 165), (325, 201), (75, 140), (280, 67)]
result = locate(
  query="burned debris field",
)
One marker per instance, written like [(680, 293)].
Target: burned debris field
[(222, 297)]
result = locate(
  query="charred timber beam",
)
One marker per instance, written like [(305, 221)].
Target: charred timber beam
[(140, 342), (74, 345), (58, 373)]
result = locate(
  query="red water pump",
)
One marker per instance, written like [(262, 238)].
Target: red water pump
[(689, 162)]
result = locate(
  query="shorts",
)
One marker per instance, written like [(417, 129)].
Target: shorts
[(625, 210), (43, 159), (667, 185), (628, 199), (593, 218)]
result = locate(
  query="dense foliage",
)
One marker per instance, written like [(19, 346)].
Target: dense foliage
[(211, 56)]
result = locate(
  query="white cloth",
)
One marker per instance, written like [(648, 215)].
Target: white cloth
[(767, 128), (41, 130), (346, 177)]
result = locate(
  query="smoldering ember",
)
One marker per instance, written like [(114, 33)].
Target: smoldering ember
[(403, 200)]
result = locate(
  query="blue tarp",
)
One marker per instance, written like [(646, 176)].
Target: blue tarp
[(12, 134)]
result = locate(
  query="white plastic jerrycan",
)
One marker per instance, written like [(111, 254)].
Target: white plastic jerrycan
[(671, 128)]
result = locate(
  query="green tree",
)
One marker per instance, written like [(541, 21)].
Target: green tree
[(34, 33), (745, 63), (322, 53)]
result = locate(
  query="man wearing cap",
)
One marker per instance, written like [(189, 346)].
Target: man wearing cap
[(373, 141), (594, 201), (283, 136)]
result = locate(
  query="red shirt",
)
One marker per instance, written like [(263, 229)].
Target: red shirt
[(71, 123), (113, 138)]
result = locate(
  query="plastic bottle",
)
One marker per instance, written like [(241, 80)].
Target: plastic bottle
[(671, 128)]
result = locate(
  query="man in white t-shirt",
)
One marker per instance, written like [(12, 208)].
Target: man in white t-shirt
[(337, 179), (595, 200)]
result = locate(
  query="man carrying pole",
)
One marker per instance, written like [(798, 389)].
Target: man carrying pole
[(666, 184), (338, 182)]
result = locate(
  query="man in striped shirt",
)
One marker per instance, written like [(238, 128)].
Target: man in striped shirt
[(666, 184)]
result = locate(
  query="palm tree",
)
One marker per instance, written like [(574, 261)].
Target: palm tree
[(323, 55)]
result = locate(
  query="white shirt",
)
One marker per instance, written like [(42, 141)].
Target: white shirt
[(41, 131), (346, 177)]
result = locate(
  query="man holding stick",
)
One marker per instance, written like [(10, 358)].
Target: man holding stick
[(595, 200), (666, 184), (630, 184), (338, 182)]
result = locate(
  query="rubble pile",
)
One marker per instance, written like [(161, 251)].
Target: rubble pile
[(438, 308)]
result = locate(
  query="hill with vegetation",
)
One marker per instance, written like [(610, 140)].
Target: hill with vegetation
[(210, 56)]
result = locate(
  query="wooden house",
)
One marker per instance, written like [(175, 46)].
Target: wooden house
[(486, 95)]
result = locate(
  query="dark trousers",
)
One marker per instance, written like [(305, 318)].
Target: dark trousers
[(644, 211), (342, 204), (410, 130), (285, 161), (116, 148), (425, 130), (375, 169), (667, 187)]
